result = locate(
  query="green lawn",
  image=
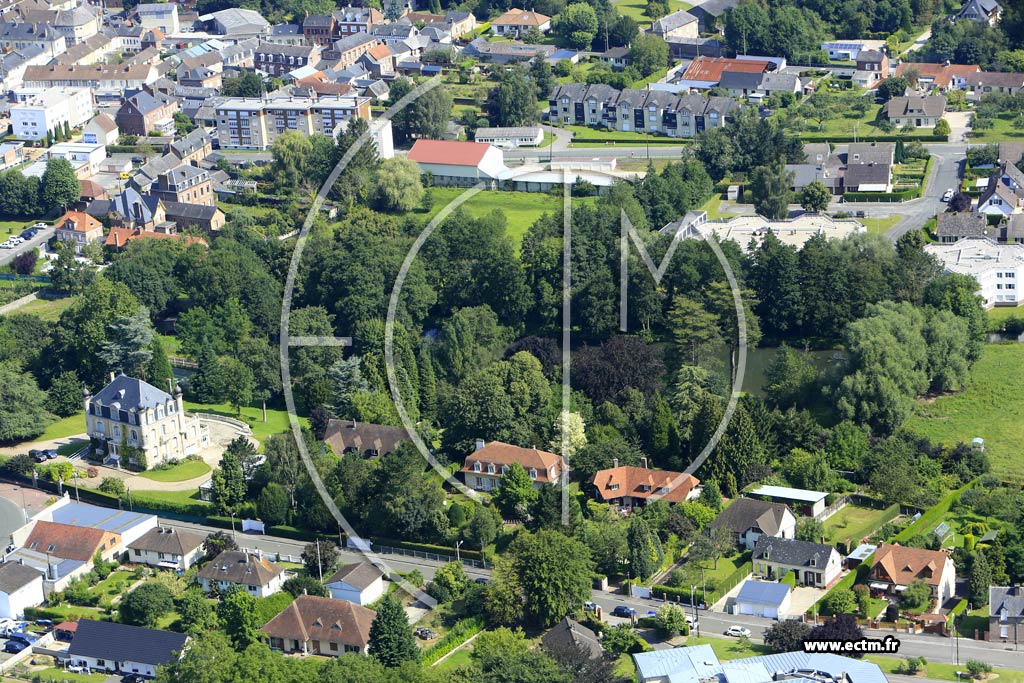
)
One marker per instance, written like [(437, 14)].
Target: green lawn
[(946, 672), (732, 648), (625, 667), (69, 426), (997, 316), (879, 226), (47, 309), (171, 344), (277, 420), (637, 10), (1003, 130), (521, 209), (863, 126), (58, 675), (713, 207), (619, 136), (460, 658), (113, 586), (181, 471), (976, 620), (189, 497), (854, 522), (8, 228), (991, 407)]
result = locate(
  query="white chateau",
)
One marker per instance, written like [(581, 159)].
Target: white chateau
[(130, 412)]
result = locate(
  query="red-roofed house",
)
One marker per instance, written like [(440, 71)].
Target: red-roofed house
[(709, 70), (516, 22), (458, 163), (484, 467), (79, 229), (941, 76), (897, 566), (119, 237), (379, 61), (628, 486)]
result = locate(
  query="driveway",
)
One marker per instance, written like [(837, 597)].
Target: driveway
[(803, 599), (959, 124)]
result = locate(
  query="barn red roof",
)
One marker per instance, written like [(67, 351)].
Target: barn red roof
[(450, 152)]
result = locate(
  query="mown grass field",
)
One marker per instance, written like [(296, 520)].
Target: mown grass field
[(277, 420), (1003, 130), (47, 309), (637, 10), (879, 226), (991, 407), (854, 522), (182, 471)]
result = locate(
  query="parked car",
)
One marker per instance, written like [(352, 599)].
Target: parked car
[(15, 240), (5, 245), (737, 631), (948, 194), (480, 579), (28, 233), (78, 669), (39, 226), (45, 623), (624, 611), (589, 606), (13, 647), (133, 678), (23, 636), (50, 453), (424, 633)]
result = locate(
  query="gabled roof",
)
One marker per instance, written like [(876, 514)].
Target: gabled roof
[(234, 566), (929, 105), (448, 152), (745, 513), (120, 643), (571, 634), (310, 617), (68, 542), (671, 22), (904, 565), (1009, 598), (640, 482), (741, 80), (15, 576), (103, 122), (710, 69), (792, 552), (963, 224), (359, 575), (500, 453), (76, 221), (996, 79), (168, 540)]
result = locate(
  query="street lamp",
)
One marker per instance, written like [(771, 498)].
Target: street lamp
[(457, 557)]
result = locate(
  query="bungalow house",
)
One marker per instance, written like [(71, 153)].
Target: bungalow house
[(917, 111), (957, 225), (167, 548), (485, 466), (80, 229), (764, 599), (617, 58), (629, 486), (526, 136), (21, 586), (322, 626), (800, 501), (363, 438), (517, 22), (985, 82), (256, 575), (941, 76), (123, 649), (360, 582), (814, 564), (751, 519), (896, 567), (1006, 614)]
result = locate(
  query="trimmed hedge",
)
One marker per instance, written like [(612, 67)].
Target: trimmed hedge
[(931, 517), (839, 139), (636, 143), (901, 196), (457, 636), (789, 579), (858, 575)]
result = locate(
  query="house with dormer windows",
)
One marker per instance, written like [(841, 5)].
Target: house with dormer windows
[(312, 625), (916, 111), (897, 566), (627, 486), (814, 564), (1004, 193), (485, 466), (255, 574), (1006, 614)]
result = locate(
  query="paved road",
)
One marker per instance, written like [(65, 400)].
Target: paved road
[(7, 255)]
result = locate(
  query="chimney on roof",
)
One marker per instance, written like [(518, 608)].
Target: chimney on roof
[(644, 461), (480, 443), (615, 462), (111, 375)]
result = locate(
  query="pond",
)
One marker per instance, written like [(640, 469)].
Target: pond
[(758, 360)]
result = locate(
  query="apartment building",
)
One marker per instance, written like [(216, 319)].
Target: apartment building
[(254, 123), (352, 20), (649, 111), (50, 110), (101, 77), (347, 50), (277, 60), (185, 184)]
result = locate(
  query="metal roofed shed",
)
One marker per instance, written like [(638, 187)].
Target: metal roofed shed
[(802, 501), (860, 554), (763, 599)]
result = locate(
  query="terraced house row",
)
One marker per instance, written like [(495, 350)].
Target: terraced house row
[(651, 111)]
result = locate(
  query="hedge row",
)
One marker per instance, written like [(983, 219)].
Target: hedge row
[(839, 139), (931, 517), (635, 143), (456, 637), (901, 196), (858, 575)]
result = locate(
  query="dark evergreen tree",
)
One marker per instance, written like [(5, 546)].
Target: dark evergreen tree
[(391, 638), (207, 384)]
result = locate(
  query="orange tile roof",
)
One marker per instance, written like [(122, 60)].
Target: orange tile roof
[(712, 68), (904, 565), (640, 482), (79, 222), (521, 17), (381, 51), (69, 542), (119, 237), (500, 453), (942, 74), (450, 152)]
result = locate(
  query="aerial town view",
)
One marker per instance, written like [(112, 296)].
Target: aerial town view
[(566, 341)]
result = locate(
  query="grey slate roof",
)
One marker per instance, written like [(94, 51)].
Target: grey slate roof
[(14, 576), (714, 8), (745, 513), (870, 153), (177, 210), (763, 593), (866, 174), (359, 575), (144, 102), (190, 143), (792, 552), (740, 80), (121, 642), (929, 105), (569, 633), (780, 82), (963, 224), (1009, 597), (130, 393), (671, 22)]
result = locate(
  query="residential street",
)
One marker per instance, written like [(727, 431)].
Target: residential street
[(7, 255)]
